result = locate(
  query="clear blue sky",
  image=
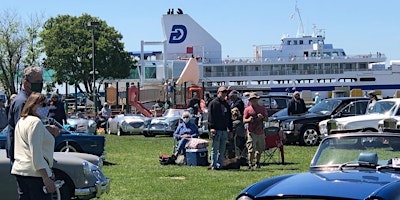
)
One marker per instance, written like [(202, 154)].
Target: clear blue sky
[(358, 26)]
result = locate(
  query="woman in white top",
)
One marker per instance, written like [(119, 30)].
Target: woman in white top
[(34, 148)]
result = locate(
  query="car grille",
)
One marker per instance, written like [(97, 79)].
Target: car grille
[(158, 126), (136, 124)]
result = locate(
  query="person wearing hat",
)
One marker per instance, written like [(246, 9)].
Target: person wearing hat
[(236, 101), (219, 122), (317, 99), (373, 99), (296, 105), (255, 115)]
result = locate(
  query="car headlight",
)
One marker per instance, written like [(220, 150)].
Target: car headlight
[(288, 125), (100, 162), (124, 124), (340, 127), (245, 198), (86, 168)]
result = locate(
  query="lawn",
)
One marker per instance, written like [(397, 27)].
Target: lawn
[(135, 172)]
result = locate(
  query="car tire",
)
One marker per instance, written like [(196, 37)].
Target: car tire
[(120, 131), (67, 190), (309, 136), (71, 147)]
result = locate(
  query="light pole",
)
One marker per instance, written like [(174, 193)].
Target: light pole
[(93, 24)]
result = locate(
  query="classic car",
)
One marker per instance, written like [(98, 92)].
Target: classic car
[(304, 128), (345, 166), (82, 179), (382, 109), (166, 124), (83, 125), (126, 124), (70, 141)]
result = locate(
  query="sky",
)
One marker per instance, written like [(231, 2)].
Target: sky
[(357, 26)]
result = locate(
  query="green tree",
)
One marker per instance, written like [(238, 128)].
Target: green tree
[(67, 42)]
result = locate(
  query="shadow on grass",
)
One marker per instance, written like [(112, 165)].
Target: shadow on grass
[(106, 163)]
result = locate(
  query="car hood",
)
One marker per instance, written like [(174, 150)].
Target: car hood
[(368, 117), (353, 184), (163, 119)]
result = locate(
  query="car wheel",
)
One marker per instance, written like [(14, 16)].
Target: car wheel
[(67, 148), (309, 136), (120, 131), (67, 190)]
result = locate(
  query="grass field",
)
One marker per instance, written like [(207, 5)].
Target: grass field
[(135, 172)]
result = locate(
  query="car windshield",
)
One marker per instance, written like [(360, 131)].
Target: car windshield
[(372, 149), (383, 107), (173, 113), (325, 107)]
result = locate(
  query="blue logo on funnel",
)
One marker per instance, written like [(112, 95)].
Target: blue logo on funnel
[(178, 34)]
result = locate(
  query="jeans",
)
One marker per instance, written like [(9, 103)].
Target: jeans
[(181, 145), (218, 148)]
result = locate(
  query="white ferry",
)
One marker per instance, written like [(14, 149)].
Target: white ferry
[(299, 63)]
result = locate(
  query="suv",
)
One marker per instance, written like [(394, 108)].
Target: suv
[(304, 128)]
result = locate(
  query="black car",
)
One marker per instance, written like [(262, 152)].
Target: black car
[(275, 103), (303, 129)]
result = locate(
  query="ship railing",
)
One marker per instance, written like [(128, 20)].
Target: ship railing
[(246, 60)]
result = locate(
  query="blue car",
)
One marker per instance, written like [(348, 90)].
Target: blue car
[(345, 166), (70, 141)]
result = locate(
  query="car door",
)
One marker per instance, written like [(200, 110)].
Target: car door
[(353, 109)]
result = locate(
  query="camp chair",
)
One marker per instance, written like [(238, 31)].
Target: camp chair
[(273, 142)]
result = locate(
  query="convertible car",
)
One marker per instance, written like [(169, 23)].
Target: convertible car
[(82, 179), (83, 125), (126, 124), (166, 124), (70, 141), (345, 166)]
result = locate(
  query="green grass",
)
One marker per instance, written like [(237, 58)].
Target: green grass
[(135, 171)]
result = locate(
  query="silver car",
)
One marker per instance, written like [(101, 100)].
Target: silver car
[(82, 179), (126, 124), (81, 125)]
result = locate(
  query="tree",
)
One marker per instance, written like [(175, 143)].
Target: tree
[(18, 47), (67, 43), (12, 44)]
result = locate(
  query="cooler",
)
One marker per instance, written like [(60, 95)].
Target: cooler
[(197, 157)]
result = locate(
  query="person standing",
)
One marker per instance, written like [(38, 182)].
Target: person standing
[(317, 98), (34, 149), (9, 104), (57, 110), (3, 115), (296, 105), (236, 101), (255, 115), (373, 98), (32, 82), (194, 103), (219, 122)]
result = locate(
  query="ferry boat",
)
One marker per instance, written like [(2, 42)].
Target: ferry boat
[(301, 63)]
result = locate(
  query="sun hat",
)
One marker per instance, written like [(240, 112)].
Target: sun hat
[(253, 95)]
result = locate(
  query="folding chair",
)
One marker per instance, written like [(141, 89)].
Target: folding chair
[(273, 142)]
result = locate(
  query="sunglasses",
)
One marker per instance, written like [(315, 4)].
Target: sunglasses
[(185, 117), (43, 104), (225, 91)]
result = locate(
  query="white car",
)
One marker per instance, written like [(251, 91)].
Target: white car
[(382, 109), (81, 125), (126, 124)]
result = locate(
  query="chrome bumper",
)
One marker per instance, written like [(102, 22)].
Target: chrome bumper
[(100, 188)]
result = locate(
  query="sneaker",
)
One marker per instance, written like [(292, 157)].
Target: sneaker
[(258, 166), (250, 167)]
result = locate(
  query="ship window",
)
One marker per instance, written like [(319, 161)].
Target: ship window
[(309, 41), (368, 79), (295, 42), (301, 41), (288, 42)]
